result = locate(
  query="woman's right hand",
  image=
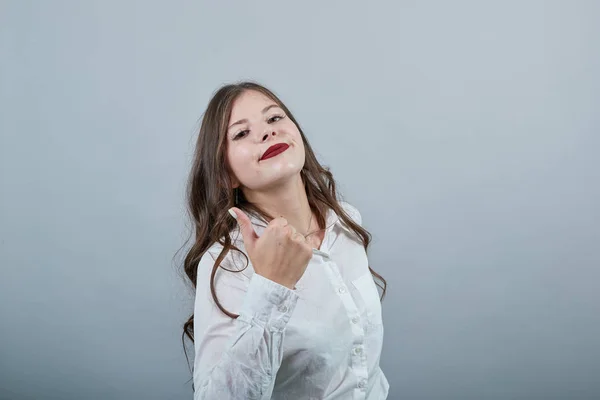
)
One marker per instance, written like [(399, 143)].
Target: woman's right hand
[(281, 254)]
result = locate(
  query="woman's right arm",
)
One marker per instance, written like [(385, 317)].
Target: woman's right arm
[(238, 358)]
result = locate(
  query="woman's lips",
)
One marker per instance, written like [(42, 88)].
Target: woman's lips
[(280, 149)]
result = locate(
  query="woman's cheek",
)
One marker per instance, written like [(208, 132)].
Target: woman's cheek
[(243, 158)]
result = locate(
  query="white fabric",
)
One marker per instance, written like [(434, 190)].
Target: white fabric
[(320, 341)]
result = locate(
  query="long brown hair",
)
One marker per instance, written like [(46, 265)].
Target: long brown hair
[(210, 193)]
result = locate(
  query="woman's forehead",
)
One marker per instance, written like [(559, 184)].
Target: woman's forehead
[(250, 101)]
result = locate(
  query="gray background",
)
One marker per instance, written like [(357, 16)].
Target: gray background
[(466, 133)]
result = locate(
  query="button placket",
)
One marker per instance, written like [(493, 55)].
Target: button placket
[(357, 351)]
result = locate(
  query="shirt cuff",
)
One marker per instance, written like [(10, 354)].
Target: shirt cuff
[(268, 303)]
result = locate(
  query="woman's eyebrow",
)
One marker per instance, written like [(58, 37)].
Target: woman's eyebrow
[(241, 121)]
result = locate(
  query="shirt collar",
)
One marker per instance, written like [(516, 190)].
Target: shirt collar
[(331, 218)]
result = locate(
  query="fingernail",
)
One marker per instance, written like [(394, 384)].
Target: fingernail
[(233, 214)]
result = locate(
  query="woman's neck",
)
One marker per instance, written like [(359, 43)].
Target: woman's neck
[(288, 200)]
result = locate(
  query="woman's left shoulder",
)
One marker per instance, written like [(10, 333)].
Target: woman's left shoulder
[(352, 211)]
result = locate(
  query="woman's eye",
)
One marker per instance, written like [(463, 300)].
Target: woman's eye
[(240, 134), (275, 118)]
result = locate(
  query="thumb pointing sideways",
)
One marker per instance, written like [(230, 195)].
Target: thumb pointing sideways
[(248, 233)]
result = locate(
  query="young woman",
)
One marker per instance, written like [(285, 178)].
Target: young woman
[(286, 306)]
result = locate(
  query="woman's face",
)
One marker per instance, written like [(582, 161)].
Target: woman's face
[(256, 123)]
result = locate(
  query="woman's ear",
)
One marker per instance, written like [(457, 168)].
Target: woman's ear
[(234, 182)]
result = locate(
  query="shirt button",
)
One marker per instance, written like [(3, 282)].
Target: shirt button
[(362, 384), (342, 290), (357, 350), (355, 320), (282, 308)]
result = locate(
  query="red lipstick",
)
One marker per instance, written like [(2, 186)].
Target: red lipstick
[(274, 150)]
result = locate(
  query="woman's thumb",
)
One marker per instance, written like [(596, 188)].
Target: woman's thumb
[(246, 228)]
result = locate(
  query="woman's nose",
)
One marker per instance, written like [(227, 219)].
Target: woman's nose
[(267, 134)]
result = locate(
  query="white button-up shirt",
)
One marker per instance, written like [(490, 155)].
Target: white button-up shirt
[(322, 340)]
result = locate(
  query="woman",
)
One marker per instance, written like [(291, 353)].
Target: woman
[(286, 306)]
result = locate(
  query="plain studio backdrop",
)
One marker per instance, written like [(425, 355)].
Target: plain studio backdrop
[(465, 132)]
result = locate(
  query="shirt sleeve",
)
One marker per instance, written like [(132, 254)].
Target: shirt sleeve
[(238, 358)]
